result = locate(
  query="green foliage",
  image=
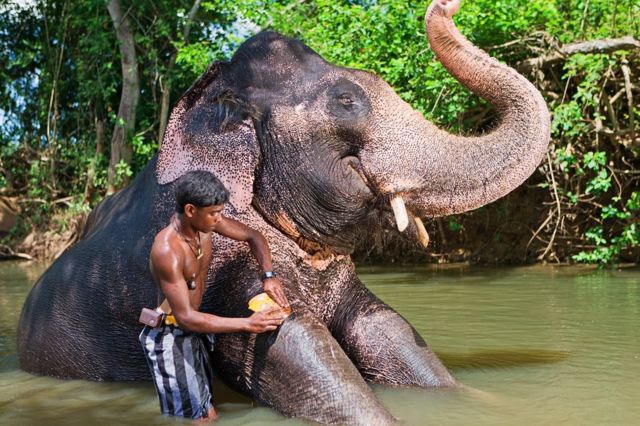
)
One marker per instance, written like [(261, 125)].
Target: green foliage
[(59, 87), (454, 226), (617, 216), (123, 171), (606, 251), (589, 175)]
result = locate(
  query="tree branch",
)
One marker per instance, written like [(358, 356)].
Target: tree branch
[(607, 45), (627, 85)]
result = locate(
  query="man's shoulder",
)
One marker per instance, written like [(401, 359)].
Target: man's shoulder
[(165, 245)]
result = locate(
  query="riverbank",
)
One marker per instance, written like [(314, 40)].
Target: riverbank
[(42, 240), (510, 231)]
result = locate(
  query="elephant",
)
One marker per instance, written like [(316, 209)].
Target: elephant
[(309, 151)]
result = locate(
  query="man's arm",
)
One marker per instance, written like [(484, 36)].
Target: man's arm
[(168, 273), (260, 247)]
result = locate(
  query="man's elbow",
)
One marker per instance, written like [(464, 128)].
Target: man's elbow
[(256, 239), (187, 322)]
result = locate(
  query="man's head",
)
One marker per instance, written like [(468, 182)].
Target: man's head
[(200, 189), (200, 198)]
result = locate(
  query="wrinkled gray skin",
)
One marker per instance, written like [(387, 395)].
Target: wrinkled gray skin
[(308, 150)]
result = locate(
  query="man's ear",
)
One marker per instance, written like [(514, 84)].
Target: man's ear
[(211, 128), (189, 210)]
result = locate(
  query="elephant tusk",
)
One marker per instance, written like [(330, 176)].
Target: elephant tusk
[(423, 237), (400, 213)]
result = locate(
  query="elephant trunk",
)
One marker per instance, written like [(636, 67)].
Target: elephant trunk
[(437, 173)]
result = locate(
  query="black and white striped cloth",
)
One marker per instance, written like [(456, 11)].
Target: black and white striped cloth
[(180, 368)]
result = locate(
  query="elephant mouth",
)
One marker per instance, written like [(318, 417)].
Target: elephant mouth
[(357, 193), (406, 223), (357, 177), (392, 210)]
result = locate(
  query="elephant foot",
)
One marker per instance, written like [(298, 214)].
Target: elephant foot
[(300, 371), (385, 348)]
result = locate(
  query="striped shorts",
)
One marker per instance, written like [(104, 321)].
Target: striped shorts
[(180, 368)]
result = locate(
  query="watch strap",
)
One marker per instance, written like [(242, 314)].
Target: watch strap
[(267, 275)]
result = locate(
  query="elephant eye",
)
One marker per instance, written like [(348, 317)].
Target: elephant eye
[(346, 100)]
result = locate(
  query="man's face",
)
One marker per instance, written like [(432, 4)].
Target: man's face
[(205, 218)]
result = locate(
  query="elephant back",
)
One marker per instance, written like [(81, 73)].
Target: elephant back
[(80, 319)]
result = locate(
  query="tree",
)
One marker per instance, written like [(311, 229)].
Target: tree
[(165, 85), (121, 150)]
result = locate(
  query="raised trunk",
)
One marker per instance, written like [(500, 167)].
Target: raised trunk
[(478, 170), (125, 122), (437, 173)]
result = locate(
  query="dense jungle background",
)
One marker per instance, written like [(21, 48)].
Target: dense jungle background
[(87, 87)]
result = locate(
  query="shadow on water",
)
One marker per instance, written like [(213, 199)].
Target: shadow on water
[(501, 358)]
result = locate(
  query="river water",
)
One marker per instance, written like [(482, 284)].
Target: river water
[(540, 346)]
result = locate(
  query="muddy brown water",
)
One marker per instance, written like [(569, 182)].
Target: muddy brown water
[(540, 345)]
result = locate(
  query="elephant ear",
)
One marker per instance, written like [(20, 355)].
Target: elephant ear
[(211, 128)]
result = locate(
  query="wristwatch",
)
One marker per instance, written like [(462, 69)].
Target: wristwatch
[(267, 275)]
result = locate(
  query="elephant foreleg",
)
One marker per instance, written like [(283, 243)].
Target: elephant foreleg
[(300, 371), (385, 348)]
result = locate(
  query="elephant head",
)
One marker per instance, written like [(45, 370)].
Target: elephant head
[(308, 151), (317, 148)]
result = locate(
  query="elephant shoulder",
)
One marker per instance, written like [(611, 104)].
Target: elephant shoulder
[(125, 205)]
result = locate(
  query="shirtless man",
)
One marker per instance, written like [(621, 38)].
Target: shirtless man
[(180, 257)]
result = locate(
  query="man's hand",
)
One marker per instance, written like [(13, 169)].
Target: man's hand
[(267, 320), (273, 287)]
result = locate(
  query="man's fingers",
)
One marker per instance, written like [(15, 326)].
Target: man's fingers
[(273, 294), (277, 294), (271, 314), (278, 299), (270, 310), (270, 292), (269, 324), (281, 299)]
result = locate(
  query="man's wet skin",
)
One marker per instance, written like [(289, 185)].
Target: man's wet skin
[(179, 261), (174, 263)]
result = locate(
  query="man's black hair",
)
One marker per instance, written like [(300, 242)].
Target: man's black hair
[(201, 189)]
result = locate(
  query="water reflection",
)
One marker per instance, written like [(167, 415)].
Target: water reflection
[(501, 358)]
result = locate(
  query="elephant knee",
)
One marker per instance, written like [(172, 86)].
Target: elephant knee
[(388, 350)]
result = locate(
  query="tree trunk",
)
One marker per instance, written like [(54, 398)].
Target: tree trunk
[(53, 112), (89, 189), (125, 123), (165, 86)]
